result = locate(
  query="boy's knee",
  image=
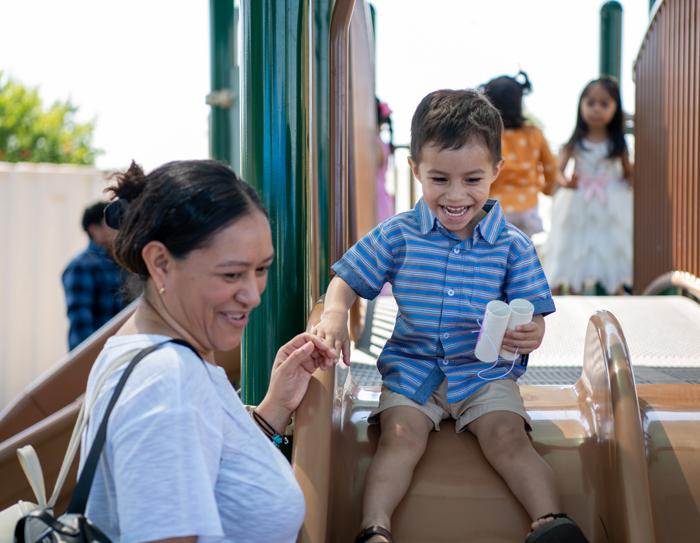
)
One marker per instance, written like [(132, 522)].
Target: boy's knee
[(404, 435), (504, 441)]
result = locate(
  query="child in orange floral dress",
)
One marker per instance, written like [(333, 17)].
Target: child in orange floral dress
[(530, 167)]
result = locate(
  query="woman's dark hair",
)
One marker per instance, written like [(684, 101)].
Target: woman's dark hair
[(615, 128), (181, 204), (506, 93)]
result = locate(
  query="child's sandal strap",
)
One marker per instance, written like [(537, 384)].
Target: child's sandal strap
[(370, 532), (554, 515)]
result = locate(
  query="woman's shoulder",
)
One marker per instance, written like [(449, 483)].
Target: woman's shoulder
[(172, 369)]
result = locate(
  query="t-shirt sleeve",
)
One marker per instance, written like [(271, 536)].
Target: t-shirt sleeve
[(369, 264), (525, 277), (165, 462)]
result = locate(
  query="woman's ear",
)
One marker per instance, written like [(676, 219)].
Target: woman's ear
[(158, 260)]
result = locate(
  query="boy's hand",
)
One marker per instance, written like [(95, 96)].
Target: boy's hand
[(526, 337), (333, 330)]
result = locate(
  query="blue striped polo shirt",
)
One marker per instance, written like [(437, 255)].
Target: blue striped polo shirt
[(442, 285)]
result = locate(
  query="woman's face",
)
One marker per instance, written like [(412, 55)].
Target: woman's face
[(212, 292)]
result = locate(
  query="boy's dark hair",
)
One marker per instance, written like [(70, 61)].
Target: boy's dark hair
[(506, 93), (451, 118), (93, 214), (616, 129)]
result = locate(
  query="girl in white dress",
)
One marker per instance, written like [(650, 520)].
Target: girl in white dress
[(590, 241)]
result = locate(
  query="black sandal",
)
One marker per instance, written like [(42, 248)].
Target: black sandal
[(369, 533), (561, 530)]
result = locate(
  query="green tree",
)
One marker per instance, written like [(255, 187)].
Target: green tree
[(30, 133)]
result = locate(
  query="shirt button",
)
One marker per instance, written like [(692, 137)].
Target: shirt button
[(450, 292), (456, 250), (445, 361), (446, 335)]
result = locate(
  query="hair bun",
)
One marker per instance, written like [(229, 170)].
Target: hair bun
[(526, 86)]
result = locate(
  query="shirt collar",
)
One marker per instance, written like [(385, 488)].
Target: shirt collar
[(98, 248), (488, 228)]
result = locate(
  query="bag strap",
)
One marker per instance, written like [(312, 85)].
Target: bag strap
[(78, 501), (29, 461), (80, 423)]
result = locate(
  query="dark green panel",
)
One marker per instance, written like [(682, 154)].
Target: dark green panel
[(323, 10), (275, 160), (611, 39), (221, 46)]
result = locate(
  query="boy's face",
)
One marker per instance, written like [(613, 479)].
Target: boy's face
[(456, 184)]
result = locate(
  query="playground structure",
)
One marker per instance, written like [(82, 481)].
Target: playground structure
[(626, 456)]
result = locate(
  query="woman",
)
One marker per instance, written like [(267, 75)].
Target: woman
[(183, 459)]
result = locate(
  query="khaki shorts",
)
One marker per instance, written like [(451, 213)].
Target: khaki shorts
[(499, 395)]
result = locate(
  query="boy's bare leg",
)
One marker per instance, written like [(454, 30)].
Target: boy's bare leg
[(507, 447), (402, 443)]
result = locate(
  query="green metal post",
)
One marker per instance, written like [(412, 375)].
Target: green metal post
[(611, 39), (221, 60), (276, 158), (323, 11)]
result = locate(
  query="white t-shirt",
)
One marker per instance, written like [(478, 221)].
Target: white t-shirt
[(182, 456)]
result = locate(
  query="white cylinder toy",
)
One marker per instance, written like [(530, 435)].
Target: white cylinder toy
[(521, 313), (493, 327)]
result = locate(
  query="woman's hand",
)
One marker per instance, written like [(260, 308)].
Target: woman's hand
[(526, 337), (291, 373)]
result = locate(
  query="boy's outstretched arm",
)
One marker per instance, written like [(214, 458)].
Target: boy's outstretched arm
[(333, 328), (526, 337)]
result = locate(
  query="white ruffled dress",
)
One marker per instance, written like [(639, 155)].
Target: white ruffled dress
[(590, 240)]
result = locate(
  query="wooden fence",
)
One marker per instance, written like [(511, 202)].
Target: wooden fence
[(667, 138)]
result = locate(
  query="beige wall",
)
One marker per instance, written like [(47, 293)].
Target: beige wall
[(41, 206)]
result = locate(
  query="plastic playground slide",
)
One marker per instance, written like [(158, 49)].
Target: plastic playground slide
[(627, 457)]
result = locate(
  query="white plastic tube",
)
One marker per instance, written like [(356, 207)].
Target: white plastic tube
[(494, 326), (521, 311)]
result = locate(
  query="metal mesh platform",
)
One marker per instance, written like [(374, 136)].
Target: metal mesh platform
[(662, 332)]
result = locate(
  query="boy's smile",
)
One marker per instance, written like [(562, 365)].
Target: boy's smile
[(456, 184)]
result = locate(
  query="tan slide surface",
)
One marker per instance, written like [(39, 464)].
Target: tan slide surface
[(627, 458)]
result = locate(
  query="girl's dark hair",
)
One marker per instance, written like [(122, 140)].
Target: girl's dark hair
[(181, 204), (506, 93), (615, 128)]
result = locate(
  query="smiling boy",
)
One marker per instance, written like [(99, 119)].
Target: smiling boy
[(446, 259)]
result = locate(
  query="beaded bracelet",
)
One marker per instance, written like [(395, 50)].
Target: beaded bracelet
[(269, 431)]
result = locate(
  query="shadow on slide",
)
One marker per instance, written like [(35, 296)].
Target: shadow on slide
[(627, 458)]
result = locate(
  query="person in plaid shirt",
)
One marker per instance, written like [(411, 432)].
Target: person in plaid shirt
[(93, 280)]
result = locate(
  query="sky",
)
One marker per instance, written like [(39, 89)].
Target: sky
[(140, 68)]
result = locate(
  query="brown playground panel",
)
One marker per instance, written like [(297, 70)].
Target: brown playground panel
[(626, 458)]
